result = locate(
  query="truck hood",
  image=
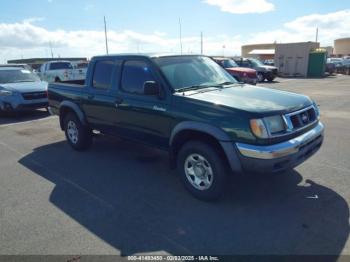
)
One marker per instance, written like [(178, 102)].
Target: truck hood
[(241, 70), (25, 87), (253, 99), (266, 68)]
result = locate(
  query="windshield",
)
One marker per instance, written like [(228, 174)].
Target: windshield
[(256, 62), (187, 71), (229, 63), (16, 76)]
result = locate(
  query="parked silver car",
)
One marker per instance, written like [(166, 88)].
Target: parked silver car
[(21, 89)]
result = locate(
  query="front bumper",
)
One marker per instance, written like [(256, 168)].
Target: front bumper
[(16, 105), (270, 74), (281, 156)]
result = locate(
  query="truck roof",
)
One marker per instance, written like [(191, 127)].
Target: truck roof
[(147, 55), (221, 58)]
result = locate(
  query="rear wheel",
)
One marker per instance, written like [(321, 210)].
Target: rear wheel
[(202, 170), (78, 135)]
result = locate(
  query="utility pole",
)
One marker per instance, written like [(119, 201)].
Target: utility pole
[(316, 34), (180, 35), (201, 43), (51, 49), (106, 39)]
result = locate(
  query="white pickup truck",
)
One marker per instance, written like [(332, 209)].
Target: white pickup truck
[(63, 71)]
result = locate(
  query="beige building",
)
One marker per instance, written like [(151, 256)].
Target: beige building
[(342, 46), (293, 59), (262, 51), (329, 50)]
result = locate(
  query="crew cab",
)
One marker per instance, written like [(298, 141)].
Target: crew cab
[(264, 72), (61, 71), (211, 125), (242, 74)]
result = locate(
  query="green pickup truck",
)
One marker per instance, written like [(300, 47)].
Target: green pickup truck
[(211, 125)]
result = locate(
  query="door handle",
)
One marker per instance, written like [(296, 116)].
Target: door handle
[(91, 97), (118, 101)]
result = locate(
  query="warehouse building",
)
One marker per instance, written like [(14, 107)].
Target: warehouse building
[(292, 59), (342, 47), (260, 51)]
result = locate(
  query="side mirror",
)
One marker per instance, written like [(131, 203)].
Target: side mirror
[(151, 88)]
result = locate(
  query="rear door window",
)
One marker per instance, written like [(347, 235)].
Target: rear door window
[(60, 65), (102, 78)]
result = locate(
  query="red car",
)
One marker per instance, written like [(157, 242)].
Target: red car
[(242, 74)]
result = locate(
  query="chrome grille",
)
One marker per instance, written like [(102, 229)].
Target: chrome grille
[(300, 119)]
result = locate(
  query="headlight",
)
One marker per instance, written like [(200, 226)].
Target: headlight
[(274, 124), (268, 126), (5, 93), (317, 110), (258, 128)]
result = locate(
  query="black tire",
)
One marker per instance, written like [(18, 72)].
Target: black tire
[(84, 135), (261, 77), (217, 164), (58, 80), (270, 78)]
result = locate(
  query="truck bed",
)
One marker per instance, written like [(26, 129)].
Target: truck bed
[(58, 92)]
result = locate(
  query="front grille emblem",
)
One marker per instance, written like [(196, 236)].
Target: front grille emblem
[(304, 118)]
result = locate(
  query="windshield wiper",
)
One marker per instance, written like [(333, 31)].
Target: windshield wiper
[(22, 81), (196, 87), (227, 83)]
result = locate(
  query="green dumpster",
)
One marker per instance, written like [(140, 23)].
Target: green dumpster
[(317, 63)]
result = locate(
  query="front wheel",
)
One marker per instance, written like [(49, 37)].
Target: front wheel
[(78, 136), (261, 77), (270, 78), (202, 170)]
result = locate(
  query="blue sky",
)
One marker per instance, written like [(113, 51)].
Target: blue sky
[(137, 21)]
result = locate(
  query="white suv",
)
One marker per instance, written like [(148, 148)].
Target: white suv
[(61, 71)]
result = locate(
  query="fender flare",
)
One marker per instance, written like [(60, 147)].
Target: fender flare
[(216, 132), (223, 139), (75, 108)]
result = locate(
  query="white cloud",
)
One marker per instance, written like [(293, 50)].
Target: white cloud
[(89, 7), (331, 26), (25, 39), (242, 6)]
